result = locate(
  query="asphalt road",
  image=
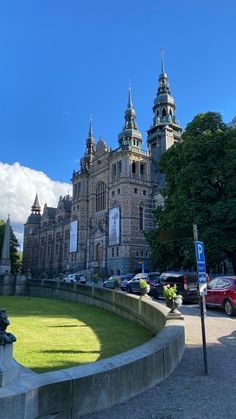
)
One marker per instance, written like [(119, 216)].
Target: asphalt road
[(188, 393)]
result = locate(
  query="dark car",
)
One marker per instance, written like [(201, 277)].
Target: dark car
[(221, 292), (110, 282), (152, 279), (134, 284), (186, 282), (124, 281)]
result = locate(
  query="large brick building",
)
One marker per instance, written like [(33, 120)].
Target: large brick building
[(101, 226)]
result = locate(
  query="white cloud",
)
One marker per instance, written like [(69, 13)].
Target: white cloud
[(18, 186)]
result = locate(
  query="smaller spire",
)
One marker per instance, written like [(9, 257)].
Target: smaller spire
[(90, 127), (130, 104), (36, 206), (162, 61)]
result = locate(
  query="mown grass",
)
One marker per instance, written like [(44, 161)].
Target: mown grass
[(54, 334)]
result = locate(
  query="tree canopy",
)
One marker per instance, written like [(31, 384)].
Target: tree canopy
[(200, 188), (14, 245)]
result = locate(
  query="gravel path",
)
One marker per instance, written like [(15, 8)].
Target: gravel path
[(188, 393)]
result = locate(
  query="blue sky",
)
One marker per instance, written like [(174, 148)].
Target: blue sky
[(61, 60)]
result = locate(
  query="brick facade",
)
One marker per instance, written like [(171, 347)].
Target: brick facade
[(126, 180)]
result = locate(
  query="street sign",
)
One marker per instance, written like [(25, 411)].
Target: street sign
[(199, 246), (201, 267)]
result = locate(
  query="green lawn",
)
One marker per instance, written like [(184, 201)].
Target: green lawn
[(54, 334)]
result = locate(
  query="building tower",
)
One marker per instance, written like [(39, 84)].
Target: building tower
[(5, 264), (31, 226), (85, 162), (165, 130)]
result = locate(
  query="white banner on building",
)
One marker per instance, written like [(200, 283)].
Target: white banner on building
[(114, 226), (73, 236)]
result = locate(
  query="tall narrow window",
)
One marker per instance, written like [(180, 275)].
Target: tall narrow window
[(119, 168), (101, 197), (75, 189), (141, 223), (114, 170), (133, 167), (142, 169)]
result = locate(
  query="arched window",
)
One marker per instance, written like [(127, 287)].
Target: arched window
[(164, 113), (101, 197)]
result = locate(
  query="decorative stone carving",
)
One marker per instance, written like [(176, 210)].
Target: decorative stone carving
[(5, 337)]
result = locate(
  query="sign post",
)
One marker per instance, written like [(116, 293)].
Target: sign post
[(202, 281), (140, 262)]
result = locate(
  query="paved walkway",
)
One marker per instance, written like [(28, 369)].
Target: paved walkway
[(188, 393)]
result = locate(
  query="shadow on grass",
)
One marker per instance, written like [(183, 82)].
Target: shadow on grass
[(70, 325), (67, 351), (113, 333)]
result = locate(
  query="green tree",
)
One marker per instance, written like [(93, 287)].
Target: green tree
[(15, 256), (200, 189)]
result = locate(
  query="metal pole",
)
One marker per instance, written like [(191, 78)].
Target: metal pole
[(202, 313)]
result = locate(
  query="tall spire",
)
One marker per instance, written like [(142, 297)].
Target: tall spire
[(130, 134), (5, 264), (130, 104), (130, 114), (90, 128), (164, 131), (90, 149), (36, 206), (162, 61), (163, 80)]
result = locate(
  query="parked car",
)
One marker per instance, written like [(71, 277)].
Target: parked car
[(186, 282), (133, 284), (82, 279), (221, 292), (152, 279), (73, 278), (110, 282), (124, 281)]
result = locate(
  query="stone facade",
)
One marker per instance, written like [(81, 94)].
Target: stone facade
[(101, 227)]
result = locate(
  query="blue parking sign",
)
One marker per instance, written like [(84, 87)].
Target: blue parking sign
[(201, 266), (199, 246)]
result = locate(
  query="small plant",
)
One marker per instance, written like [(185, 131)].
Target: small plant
[(95, 278), (170, 292), (117, 282), (143, 284)]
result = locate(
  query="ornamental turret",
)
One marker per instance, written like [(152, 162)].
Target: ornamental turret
[(90, 149), (130, 135)]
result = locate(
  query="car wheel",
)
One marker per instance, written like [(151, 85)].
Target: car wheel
[(129, 290), (228, 308)]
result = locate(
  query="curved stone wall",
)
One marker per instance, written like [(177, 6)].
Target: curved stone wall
[(73, 392)]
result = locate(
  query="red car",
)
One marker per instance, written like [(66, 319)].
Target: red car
[(221, 292)]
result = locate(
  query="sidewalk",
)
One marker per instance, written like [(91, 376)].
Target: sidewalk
[(188, 393)]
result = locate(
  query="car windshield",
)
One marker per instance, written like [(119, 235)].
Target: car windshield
[(142, 275), (153, 277)]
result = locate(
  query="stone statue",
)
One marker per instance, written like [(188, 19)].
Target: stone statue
[(4, 323)]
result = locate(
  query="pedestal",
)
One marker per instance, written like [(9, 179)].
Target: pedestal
[(9, 368)]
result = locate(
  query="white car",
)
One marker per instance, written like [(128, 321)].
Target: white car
[(73, 278)]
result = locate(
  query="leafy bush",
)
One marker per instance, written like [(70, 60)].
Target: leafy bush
[(170, 292)]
